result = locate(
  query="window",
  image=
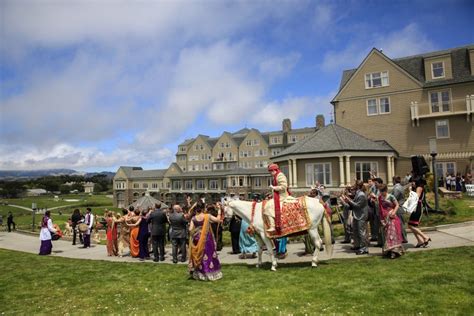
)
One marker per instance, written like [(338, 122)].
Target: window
[(372, 107), (182, 158), (318, 172), (136, 185), (376, 80), (437, 70), (231, 166), (188, 185), (248, 142), (182, 149), (293, 138), (206, 157), (260, 152), (145, 185), (444, 168), (229, 155), (200, 184), (384, 106), (154, 185), (205, 166), (257, 182), (378, 106), (276, 151), (241, 182), (194, 158), (261, 164), (218, 166), (176, 184), (364, 168), (275, 140), (245, 153), (224, 183), (213, 184), (120, 185), (442, 129), (440, 106)]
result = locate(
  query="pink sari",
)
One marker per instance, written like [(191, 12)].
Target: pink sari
[(392, 227)]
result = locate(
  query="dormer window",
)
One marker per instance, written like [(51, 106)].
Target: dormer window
[(437, 70), (376, 80)]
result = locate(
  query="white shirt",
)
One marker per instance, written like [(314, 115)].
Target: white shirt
[(45, 233), (89, 220)]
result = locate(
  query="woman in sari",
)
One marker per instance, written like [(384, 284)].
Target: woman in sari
[(124, 236), (392, 226), (203, 261), (45, 234), (134, 224), (112, 243)]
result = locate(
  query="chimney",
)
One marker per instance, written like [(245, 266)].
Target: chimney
[(286, 125), (320, 121)]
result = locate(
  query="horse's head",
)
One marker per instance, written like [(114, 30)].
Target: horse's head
[(228, 212)]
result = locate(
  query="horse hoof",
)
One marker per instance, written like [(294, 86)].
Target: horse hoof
[(257, 266), (273, 269), (314, 265)]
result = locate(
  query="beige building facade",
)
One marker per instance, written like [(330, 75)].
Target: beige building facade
[(407, 101)]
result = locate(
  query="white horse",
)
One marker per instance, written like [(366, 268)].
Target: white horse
[(315, 212)]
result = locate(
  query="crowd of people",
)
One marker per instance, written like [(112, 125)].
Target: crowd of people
[(370, 204), (136, 231), (455, 182)]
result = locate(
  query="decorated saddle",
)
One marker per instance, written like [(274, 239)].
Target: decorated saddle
[(294, 219)]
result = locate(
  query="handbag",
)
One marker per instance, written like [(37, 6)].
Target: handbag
[(410, 204)]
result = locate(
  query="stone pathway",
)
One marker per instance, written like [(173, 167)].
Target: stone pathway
[(444, 236)]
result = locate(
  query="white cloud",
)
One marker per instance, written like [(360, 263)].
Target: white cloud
[(407, 41), (65, 155)]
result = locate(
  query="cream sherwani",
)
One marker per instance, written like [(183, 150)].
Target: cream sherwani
[(282, 189)]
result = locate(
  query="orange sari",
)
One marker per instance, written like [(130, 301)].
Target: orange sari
[(134, 244)]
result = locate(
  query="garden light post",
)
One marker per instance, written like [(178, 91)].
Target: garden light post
[(434, 153), (33, 209)]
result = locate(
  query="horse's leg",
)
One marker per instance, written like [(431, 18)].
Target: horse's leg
[(314, 234), (269, 244)]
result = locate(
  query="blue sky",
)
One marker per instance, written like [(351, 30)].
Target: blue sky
[(92, 85)]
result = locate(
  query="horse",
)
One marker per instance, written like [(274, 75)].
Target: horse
[(316, 215)]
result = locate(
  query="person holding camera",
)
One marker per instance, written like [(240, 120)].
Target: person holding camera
[(360, 210)]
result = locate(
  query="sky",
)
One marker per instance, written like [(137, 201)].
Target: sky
[(94, 85)]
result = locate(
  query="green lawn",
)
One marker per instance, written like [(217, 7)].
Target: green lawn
[(429, 282), (23, 218)]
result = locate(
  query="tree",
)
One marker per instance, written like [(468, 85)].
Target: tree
[(64, 189), (11, 189)]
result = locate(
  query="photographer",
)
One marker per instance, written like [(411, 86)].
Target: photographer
[(347, 216), (360, 211)]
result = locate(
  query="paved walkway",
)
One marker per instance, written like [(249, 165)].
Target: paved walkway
[(445, 236)]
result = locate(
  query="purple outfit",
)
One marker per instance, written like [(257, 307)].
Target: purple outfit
[(210, 267), (143, 235)]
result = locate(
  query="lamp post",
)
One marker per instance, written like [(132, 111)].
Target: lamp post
[(434, 153), (33, 209)]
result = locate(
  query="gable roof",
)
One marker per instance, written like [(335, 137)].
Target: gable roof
[(414, 66), (335, 138), (352, 72)]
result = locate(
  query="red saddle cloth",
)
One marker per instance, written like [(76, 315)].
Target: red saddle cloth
[(294, 219)]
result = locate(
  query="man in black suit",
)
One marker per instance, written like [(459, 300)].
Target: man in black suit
[(234, 228), (178, 233), (158, 221)]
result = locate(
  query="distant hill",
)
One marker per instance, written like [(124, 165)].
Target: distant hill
[(32, 174)]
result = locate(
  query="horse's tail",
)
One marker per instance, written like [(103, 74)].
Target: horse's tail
[(327, 237)]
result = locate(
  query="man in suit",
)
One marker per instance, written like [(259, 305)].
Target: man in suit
[(178, 233), (360, 212), (89, 220), (234, 228), (399, 193), (158, 221)]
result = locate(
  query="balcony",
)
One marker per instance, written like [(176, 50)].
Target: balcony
[(224, 159), (421, 111)]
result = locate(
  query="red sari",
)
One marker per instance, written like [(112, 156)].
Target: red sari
[(112, 242), (392, 227)]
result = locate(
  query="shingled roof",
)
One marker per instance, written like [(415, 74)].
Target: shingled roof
[(414, 65), (335, 138)]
